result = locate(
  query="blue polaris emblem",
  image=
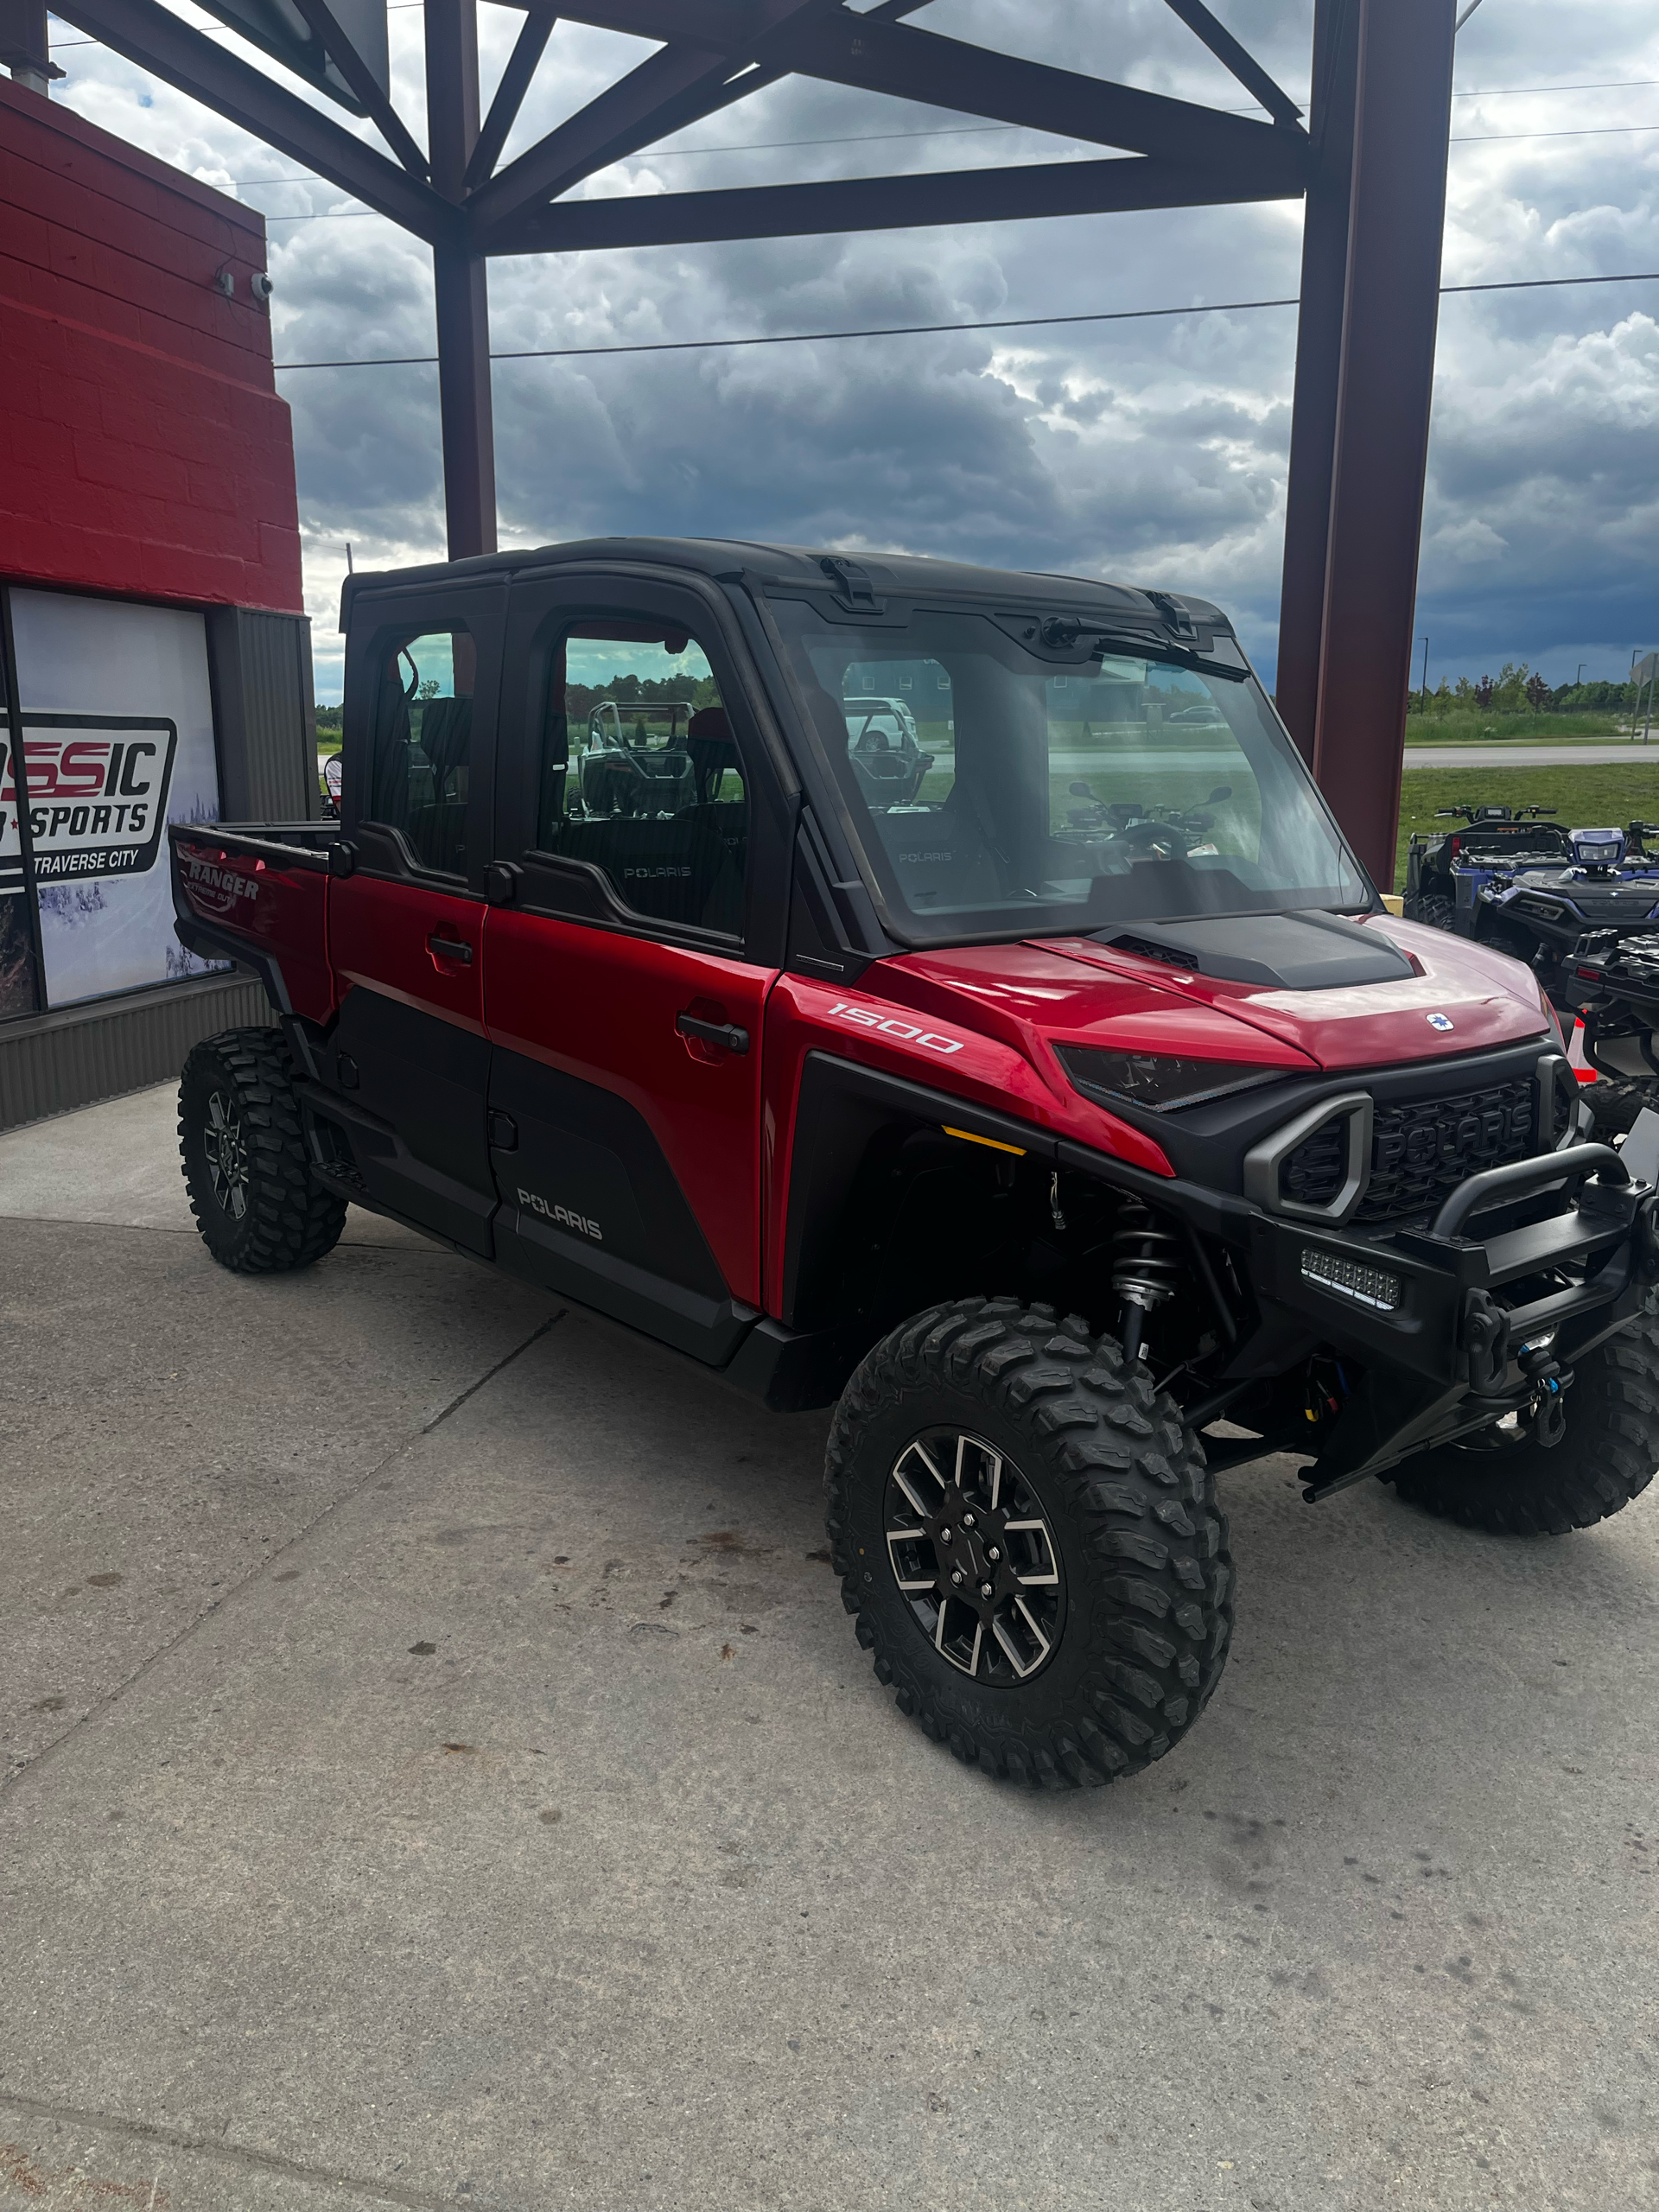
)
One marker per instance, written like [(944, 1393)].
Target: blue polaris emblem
[(1440, 1021)]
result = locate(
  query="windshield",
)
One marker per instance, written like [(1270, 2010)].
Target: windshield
[(994, 790)]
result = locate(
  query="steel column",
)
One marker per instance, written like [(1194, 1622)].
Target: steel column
[(1379, 451), (1318, 361), (461, 283)]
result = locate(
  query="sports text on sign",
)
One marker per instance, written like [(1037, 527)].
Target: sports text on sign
[(97, 794)]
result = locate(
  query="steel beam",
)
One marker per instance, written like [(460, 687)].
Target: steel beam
[(1402, 123), (666, 91), (527, 50), (149, 36), (905, 63), (881, 203), (461, 284), (326, 29), (1231, 56), (1318, 367)]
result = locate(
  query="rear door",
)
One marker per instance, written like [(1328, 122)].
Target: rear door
[(406, 927), (644, 831)]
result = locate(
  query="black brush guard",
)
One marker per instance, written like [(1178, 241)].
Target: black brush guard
[(1444, 1349)]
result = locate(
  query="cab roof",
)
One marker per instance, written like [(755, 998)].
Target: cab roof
[(737, 561)]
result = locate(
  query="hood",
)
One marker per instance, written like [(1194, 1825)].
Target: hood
[(1434, 995)]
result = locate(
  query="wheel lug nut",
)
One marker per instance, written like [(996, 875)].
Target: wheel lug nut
[(944, 1535), (993, 1555), (956, 1574), (986, 1588), (967, 1520)]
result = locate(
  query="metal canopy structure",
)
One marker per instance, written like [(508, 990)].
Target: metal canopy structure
[(1370, 163)]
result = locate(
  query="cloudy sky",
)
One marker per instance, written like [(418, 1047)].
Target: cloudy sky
[(1153, 451)]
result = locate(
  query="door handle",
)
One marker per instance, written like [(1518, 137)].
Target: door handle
[(726, 1034), (450, 948)]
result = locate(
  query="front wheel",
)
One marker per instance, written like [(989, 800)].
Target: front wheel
[(1504, 1480), (1029, 1542)]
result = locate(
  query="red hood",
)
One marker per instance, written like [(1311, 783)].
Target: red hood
[(1484, 998), (1071, 990)]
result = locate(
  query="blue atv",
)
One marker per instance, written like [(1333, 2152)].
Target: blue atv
[(1541, 913), (1446, 873)]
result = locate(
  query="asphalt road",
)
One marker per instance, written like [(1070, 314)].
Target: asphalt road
[(441, 1773), (1620, 752)]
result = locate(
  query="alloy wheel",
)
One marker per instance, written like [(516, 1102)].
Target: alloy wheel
[(973, 1556), (228, 1157)]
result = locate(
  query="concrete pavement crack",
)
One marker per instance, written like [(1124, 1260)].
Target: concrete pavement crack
[(32, 1766), (236, 2154)]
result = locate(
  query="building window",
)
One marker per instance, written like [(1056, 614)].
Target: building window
[(117, 741)]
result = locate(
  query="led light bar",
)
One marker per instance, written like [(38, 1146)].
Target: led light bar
[(1372, 1287)]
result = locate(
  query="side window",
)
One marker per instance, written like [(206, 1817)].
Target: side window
[(424, 744), (639, 772)]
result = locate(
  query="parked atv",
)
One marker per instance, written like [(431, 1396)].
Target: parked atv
[(1612, 985), (1542, 915), (1037, 1146), (1444, 873), (885, 751), (636, 760)]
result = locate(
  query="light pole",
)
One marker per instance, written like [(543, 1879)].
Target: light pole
[(1425, 675)]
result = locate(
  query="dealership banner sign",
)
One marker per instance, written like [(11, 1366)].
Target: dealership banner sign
[(97, 789)]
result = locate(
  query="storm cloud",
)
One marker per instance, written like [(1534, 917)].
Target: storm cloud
[(1153, 450)]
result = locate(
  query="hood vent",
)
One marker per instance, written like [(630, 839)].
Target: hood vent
[(1287, 952)]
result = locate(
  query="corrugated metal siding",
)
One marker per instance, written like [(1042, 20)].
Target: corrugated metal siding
[(51, 1062), (265, 716), (279, 724)]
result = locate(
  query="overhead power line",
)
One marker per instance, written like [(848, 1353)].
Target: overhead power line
[(933, 329)]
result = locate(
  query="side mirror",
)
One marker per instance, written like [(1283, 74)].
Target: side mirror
[(1221, 791), (1079, 789)]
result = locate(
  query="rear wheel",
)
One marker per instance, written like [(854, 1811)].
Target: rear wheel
[(1029, 1542), (1504, 1480), (1432, 910), (245, 1159)]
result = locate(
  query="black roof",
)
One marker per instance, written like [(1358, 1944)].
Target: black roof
[(736, 560)]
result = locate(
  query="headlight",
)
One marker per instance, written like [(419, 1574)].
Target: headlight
[(1159, 1079)]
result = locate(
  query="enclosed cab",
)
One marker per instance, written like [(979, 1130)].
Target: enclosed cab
[(1039, 1121)]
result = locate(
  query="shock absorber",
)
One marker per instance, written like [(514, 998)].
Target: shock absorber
[(1147, 1267)]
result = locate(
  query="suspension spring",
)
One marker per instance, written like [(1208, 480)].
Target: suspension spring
[(1147, 1265)]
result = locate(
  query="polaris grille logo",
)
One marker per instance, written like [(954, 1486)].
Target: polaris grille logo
[(564, 1216), (907, 1032)]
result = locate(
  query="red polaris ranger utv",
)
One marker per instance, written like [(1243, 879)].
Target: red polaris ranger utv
[(1040, 1085)]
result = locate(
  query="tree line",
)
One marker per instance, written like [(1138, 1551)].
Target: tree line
[(1519, 689)]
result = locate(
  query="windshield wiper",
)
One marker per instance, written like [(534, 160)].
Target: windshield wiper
[(1063, 633)]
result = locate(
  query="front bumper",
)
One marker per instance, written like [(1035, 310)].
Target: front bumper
[(1455, 1329), (1525, 1268)]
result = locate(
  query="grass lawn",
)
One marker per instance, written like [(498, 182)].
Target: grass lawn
[(1583, 797), (1472, 728)]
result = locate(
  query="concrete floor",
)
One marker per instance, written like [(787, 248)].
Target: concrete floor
[(441, 1774)]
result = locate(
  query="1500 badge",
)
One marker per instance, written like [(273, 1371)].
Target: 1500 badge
[(907, 1032)]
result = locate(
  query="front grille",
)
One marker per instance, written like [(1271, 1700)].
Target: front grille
[(1628, 902), (1422, 1150), (1316, 1171)]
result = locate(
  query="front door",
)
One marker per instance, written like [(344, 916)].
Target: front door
[(409, 1056), (626, 974)]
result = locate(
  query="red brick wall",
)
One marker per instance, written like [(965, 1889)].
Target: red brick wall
[(143, 447)]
